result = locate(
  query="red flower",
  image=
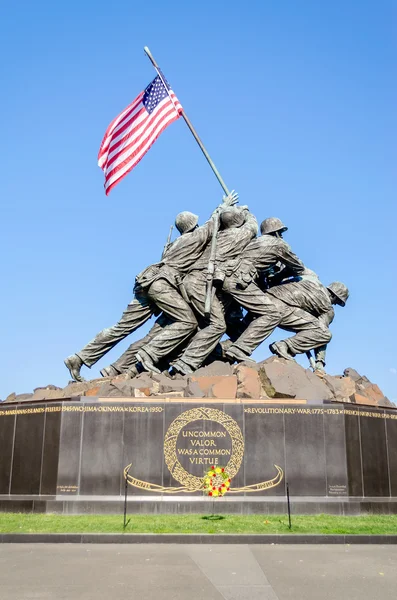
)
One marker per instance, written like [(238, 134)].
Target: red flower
[(223, 485), (228, 488), (212, 467), (223, 470), (210, 494), (220, 489), (214, 488)]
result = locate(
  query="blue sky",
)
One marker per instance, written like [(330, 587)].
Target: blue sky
[(296, 105)]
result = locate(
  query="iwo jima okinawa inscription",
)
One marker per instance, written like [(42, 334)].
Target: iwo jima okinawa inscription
[(204, 448)]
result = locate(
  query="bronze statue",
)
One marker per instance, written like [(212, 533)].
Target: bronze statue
[(204, 279), (238, 227), (309, 314), (339, 294), (157, 289), (261, 255)]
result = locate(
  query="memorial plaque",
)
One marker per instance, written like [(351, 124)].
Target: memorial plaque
[(70, 449), (144, 445), (391, 434), (353, 455), (28, 451), (335, 453), (305, 454), (374, 453), (264, 445), (199, 438), (52, 432), (7, 432), (101, 463), (195, 440)]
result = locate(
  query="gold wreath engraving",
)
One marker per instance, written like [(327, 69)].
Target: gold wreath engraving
[(190, 482), (197, 414), (153, 487)]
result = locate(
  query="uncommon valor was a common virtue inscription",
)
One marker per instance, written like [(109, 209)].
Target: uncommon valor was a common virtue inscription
[(197, 439)]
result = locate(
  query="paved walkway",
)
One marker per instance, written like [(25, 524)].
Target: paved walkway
[(192, 572)]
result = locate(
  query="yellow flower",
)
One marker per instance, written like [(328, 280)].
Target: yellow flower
[(215, 493), (218, 470)]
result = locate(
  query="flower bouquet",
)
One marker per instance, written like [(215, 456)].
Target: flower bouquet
[(216, 482)]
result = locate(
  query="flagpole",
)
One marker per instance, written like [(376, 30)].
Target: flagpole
[(188, 123)]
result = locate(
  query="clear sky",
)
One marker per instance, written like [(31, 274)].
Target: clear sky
[(295, 102)]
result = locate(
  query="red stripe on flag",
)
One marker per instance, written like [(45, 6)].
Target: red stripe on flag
[(146, 124), (146, 141), (127, 124), (111, 186), (126, 112), (131, 134)]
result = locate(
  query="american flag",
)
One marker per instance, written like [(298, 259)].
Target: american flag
[(131, 134)]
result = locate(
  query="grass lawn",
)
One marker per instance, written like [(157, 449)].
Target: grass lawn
[(49, 523)]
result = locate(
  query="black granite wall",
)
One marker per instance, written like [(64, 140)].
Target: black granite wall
[(81, 448), (29, 449)]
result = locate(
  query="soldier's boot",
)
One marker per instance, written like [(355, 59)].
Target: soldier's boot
[(74, 364), (319, 369), (224, 348), (236, 354), (179, 366), (133, 371), (109, 371), (281, 349), (146, 361)]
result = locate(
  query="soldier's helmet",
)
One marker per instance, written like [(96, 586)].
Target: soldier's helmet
[(186, 221), (272, 225), (340, 291), (232, 217)]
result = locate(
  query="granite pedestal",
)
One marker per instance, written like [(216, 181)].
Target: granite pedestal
[(71, 456)]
